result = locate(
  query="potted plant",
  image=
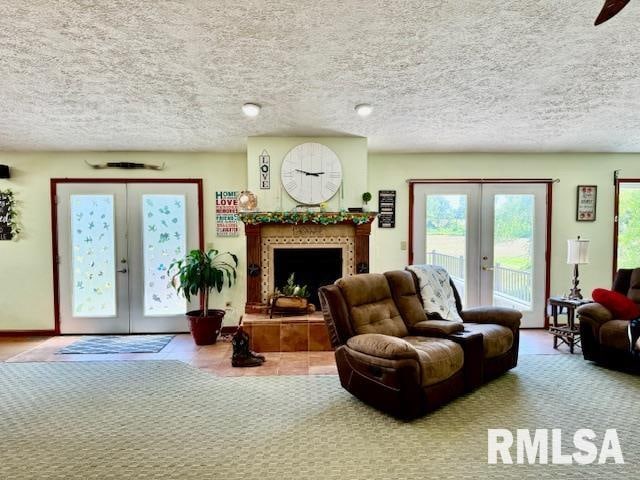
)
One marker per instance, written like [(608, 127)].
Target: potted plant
[(366, 198), (198, 274)]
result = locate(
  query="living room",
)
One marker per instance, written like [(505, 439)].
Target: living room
[(496, 146)]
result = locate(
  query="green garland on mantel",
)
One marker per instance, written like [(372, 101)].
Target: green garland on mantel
[(321, 218)]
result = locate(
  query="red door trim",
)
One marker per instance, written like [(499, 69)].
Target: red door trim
[(548, 181), (54, 223)]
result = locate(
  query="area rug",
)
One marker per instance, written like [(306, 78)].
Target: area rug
[(118, 344), (167, 420)]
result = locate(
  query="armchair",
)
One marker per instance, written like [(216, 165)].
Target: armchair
[(609, 340)]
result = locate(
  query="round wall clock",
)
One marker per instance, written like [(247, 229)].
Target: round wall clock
[(311, 173)]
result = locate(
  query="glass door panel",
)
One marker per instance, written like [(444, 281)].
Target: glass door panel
[(446, 236), (513, 248), (93, 256), (445, 219), (163, 227), (629, 225), (91, 246), (163, 242)]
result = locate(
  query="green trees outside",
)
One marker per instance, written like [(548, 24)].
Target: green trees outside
[(629, 228)]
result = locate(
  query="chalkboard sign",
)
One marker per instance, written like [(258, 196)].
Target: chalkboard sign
[(387, 209), (5, 216)]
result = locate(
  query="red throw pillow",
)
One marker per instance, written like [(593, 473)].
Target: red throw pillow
[(621, 306)]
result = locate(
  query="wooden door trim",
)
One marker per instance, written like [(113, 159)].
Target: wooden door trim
[(616, 212), (54, 223), (548, 221)]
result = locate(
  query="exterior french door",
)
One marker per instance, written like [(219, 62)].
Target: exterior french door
[(491, 238), (115, 244)]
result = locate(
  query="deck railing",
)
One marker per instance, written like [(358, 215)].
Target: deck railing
[(506, 281)]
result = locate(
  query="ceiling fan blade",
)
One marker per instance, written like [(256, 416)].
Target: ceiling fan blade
[(611, 9)]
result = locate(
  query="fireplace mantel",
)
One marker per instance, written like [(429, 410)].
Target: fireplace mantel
[(318, 218), (264, 230)]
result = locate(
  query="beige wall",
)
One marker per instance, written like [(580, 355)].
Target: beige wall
[(392, 171), (26, 285), (26, 292)]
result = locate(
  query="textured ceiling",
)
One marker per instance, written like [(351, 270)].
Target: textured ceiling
[(444, 75)]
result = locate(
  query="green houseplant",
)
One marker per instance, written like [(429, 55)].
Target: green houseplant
[(199, 273)]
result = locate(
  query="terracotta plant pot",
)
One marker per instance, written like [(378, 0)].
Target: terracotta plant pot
[(205, 330)]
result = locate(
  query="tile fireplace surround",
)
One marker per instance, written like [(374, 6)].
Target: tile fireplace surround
[(303, 332)]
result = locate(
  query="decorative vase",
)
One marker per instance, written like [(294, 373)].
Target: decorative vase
[(205, 330)]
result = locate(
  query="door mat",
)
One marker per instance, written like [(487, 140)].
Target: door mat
[(118, 344)]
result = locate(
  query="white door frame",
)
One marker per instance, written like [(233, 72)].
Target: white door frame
[(416, 240), (56, 183)]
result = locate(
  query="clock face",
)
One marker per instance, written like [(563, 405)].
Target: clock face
[(311, 173)]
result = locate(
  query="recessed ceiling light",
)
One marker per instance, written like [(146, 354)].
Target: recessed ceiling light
[(364, 109), (251, 109)]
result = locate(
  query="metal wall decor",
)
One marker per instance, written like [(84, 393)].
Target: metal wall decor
[(125, 166), (265, 170), (586, 203)]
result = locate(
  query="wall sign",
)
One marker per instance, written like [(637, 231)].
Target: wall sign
[(227, 214), (586, 204), (265, 171), (387, 209), (7, 214)]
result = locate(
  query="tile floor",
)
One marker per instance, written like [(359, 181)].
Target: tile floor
[(216, 358)]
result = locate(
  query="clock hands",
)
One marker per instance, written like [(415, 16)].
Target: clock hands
[(310, 174)]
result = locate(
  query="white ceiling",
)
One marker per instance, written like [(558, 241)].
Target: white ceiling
[(446, 75)]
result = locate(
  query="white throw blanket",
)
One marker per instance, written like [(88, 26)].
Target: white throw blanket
[(436, 291)]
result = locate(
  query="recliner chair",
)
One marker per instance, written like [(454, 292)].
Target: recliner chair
[(378, 360), (608, 340)]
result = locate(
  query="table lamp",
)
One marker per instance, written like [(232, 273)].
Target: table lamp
[(577, 254)]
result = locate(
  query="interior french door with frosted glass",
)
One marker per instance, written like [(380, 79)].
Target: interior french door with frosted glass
[(115, 244), (491, 238)]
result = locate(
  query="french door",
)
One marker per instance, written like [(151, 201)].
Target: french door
[(115, 244), (491, 238)]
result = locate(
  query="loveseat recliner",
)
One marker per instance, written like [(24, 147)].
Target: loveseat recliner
[(391, 356)]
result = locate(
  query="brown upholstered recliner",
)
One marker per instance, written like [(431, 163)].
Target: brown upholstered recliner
[(499, 327), (378, 360), (605, 339)]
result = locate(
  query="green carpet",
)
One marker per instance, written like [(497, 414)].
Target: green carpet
[(166, 420)]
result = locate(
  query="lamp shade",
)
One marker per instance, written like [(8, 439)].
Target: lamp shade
[(577, 251)]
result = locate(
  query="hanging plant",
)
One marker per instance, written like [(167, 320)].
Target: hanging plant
[(9, 225)]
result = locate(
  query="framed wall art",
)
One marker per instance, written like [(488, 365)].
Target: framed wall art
[(586, 203)]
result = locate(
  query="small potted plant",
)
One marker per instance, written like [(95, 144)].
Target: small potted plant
[(199, 273), (366, 198)]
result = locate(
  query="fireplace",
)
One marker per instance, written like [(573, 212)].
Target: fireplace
[(346, 240), (313, 267)]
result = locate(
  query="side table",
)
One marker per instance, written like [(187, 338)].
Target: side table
[(568, 333)]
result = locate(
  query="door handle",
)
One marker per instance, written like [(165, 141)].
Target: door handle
[(124, 270), (487, 268)]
